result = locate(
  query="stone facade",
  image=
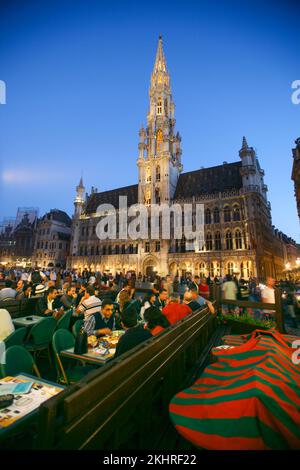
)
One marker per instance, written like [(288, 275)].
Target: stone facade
[(52, 241), (239, 236)]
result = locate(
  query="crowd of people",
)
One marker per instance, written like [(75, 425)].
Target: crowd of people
[(104, 303), (107, 302)]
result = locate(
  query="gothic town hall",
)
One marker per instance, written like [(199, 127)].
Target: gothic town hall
[(239, 236)]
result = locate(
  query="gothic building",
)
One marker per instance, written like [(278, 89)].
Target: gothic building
[(239, 237)]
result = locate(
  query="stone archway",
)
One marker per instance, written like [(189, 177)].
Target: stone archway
[(150, 266)]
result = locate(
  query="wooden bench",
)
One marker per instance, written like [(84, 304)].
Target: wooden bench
[(124, 405)]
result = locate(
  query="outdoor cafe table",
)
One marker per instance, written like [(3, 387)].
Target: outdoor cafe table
[(24, 409), (93, 356), (23, 321)]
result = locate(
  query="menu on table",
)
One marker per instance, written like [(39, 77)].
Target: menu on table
[(25, 403)]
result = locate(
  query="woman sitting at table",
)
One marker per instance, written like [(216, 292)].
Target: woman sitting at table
[(147, 303), (156, 322)]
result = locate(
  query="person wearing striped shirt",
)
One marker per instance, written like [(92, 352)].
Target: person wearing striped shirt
[(89, 303)]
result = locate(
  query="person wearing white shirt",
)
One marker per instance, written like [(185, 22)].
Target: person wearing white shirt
[(6, 324)]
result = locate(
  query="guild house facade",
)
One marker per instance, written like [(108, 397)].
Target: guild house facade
[(238, 234)]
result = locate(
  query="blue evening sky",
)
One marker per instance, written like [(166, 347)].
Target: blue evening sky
[(77, 76)]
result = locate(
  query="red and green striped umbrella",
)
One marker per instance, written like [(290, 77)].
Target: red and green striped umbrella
[(248, 399)]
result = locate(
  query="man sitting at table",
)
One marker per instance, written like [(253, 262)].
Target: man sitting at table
[(101, 322), (49, 304), (68, 299), (89, 303), (174, 310), (134, 334)]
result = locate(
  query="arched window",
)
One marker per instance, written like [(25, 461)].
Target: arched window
[(92, 251), (218, 245), (207, 216), (97, 250), (148, 175), (229, 241), (230, 267), (236, 213), (227, 214), (159, 140), (157, 173), (209, 246), (216, 215), (157, 196), (238, 240), (211, 270), (148, 198), (202, 269), (159, 106)]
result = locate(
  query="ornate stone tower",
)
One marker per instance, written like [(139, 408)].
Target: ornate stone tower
[(253, 175), (159, 159), (79, 202)]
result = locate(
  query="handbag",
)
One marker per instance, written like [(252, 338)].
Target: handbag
[(81, 342)]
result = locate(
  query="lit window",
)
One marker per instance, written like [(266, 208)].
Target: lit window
[(159, 106)]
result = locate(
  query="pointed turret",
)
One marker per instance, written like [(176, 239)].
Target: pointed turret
[(79, 200), (244, 143)]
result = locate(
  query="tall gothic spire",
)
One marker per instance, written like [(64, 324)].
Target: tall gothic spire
[(160, 77), (160, 61)]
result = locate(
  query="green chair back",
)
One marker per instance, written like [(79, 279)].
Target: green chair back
[(62, 339), (17, 360), (42, 332), (76, 327), (64, 321), (16, 338)]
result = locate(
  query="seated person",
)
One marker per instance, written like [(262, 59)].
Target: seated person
[(134, 334), (49, 304), (201, 301), (155, 320), (89, 303), (175, 311), (19, 288), (7, 293), (6, 324), (126, 289), (80, 293), (26, 292), (189, 299), (161, 300), (149, 301), (103, 321), (68, 299)]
